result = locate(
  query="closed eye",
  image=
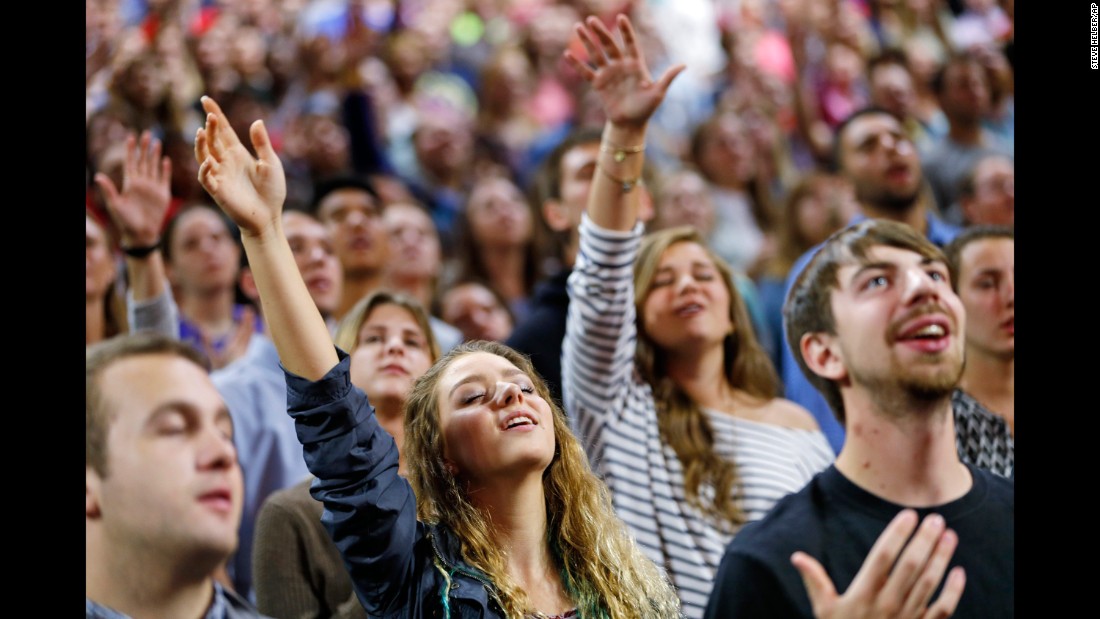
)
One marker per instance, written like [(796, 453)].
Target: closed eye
[(471, 398)]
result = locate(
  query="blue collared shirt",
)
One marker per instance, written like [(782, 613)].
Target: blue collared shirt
[(217, 609)]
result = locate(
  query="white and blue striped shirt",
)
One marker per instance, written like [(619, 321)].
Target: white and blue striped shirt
[(614, 415)]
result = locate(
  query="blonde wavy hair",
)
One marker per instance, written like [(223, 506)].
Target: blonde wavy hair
[(682, 424), (601, 566)]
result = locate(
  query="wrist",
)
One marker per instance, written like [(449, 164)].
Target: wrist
[(619, 133), (134, 250)]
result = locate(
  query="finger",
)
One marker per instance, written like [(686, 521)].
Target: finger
[(261, 141), (669, 75), (165, 179), (202, 150), (143, 163), (949, 597), (819, 586), (912, 562), (932, 574), (876, 567), (221, 137), (129, 165), (107, 186), (630, 38), (607, 40), (596, 57), (207, 177), (585, 71), (154, 158)]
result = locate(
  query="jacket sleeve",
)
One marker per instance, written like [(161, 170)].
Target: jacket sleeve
[(370, 511)]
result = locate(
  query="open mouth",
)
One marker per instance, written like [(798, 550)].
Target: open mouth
[(929, 335), (220, 500), (517, 421), (928, 332)]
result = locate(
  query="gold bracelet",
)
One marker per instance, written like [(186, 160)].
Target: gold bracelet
[(621, 151), (626, 184)]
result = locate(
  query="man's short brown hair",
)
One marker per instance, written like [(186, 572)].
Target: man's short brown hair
[(99, 357)]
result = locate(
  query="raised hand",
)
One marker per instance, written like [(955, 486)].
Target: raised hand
[(139, 209), (250, 190), (617, 70), (898, 576)]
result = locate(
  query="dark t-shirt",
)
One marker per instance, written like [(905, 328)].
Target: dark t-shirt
[(837, 522)]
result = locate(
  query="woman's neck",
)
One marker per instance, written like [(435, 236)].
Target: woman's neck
[(520, 531), (702, 376)]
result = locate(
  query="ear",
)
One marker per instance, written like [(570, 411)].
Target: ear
[(823, 356), (248, 285), (556, 215), (91, 494)]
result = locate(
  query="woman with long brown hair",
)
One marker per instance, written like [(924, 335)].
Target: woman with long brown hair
[(662, 374), (500, 516)]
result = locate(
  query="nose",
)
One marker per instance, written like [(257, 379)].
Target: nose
[(686, 283), (216, 450), (897, 144), (1010, 289), (395, 345), (507, 393), (919, 287), (314, 254)]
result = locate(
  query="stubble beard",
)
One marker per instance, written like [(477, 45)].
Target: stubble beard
[(901, 392)]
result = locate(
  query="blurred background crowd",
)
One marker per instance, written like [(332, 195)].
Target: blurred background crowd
[(436, 144)]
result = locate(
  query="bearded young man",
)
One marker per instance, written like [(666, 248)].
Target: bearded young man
[(881, 334)]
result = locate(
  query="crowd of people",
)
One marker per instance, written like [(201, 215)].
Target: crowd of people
[(590, 308)]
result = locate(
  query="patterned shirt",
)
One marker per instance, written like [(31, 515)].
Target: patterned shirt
[(981, 436)]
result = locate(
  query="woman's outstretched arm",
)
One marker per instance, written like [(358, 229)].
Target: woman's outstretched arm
[(251, 190)]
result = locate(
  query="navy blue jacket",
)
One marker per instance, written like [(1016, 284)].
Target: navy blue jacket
[(399, 566)]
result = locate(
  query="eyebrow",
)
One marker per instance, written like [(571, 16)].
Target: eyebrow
[(988, 271), (476, 377)]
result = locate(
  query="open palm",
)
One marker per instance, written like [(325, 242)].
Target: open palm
[(250, 190), (617, 71)]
